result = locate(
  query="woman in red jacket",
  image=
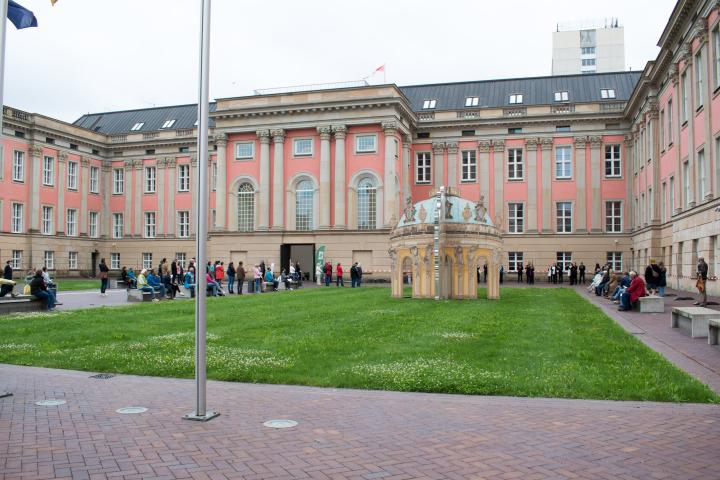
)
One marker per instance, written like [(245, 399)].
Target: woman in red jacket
[(338, 276), (633, 292)]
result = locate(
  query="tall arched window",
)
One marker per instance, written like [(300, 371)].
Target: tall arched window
[(304, 205), (367, 204), (246, 207)]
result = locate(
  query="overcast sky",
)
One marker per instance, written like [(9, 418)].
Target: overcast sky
[(100, 55)]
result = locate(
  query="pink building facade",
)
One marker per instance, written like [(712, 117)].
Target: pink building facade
[(596, 168)]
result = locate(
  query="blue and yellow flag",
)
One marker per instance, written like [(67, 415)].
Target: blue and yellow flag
[(20, 16)]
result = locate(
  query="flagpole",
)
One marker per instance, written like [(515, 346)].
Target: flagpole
[(201, 223), (3, 31)]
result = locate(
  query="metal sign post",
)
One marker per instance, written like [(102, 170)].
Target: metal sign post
[(3, 28), (201, 413)]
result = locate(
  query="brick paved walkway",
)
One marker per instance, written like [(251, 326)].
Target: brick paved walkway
[(342, 434)]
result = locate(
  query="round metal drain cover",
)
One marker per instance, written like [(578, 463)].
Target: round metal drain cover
[(131, 410), (280, 423), (50, 403)]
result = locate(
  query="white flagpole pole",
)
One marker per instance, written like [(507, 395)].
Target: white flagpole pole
[(201, 185), (3, 30)]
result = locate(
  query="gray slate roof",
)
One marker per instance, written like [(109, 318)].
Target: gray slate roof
[(121, 122), (536, 90), (449, 96)]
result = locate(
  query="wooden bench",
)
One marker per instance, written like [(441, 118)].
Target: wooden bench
[(652, 304), (21, 303), (713, 331), (693, 320)]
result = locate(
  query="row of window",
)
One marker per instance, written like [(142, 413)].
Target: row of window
[(17, 221), (48, 172), (150, 183), (303, 147), (517, 98), (72, 263), (564, 217), (515, 164), (563, 260)]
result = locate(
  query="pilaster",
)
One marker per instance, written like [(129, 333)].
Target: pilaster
[(34, 175), (340, 132), (106, 172), (531, 145), (324, 193), (499, 176), (484, 168), (194, 183), (546, 150), (407, 143), (221, 184), (160, 166), (595, 173), (278, 181), (138, 227), (390, 131), (438, 164), (61, 184), (580, 215), (171, 164), (84, 180), (452, 148), (263, 214)]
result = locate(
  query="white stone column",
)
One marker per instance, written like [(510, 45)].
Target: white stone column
[(160, 191), (595, 173), (340, 132), (499, 176), (690, 79), (438, 164), (84, 180), (278, 183), (484, 169), (407, 143), (221, 184), (34, 174), (264, 203), (452, 148), (546, 150), (60, 185), (389, 191), (324, 177), (171, 163), (580, 215), (138, 164), (127, 191), (194, 183), (531, 146), (106, 172), (655, 148)]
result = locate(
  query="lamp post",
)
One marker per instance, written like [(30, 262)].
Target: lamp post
[(201, 413)]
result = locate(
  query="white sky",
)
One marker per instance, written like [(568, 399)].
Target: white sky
[(100, 55)]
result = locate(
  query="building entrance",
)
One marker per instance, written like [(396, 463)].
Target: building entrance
[(302, 253)]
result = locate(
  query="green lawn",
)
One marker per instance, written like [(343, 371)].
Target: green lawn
[(533, 342), (69, 284)]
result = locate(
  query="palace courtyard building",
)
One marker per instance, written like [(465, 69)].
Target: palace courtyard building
[(616, 167)]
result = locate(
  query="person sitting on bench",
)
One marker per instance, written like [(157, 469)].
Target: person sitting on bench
[(143, 285), (39, 289), (634, 292)]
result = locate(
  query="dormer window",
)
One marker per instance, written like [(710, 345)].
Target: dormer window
[(472, 101), (516, 98), (168, 123), (428, 104), (561, 96), (137, 126), (607, 93)]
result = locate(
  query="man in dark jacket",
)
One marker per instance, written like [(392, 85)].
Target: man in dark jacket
[(581, 270), (39, 290), (8, 275), (353, 275), (702, 274)]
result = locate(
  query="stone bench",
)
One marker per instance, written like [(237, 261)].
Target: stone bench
[(693, 320), (21, 303), (713, 331), (135, 295), (652, 304), (117, 284)]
